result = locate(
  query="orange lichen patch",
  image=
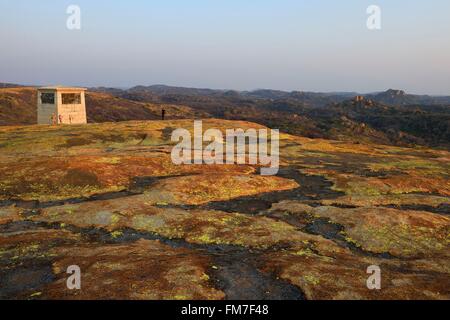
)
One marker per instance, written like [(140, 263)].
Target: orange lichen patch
[(402, 233), (55, 178), (345, 277), (434, 264), (386, 200), (374, 150), (118, 170), (32, 245), (415, 182), (38, 235), (396, 184), (144, 270), (220, 124), (204, 188), (9, 214), (107, 214), (327, 146), (48, 179)]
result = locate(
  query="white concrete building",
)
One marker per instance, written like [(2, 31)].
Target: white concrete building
[(61, 105)]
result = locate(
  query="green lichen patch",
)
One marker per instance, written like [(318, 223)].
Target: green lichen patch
[(402, 233)]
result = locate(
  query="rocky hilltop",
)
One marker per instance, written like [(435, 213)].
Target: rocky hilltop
[(108, 198)]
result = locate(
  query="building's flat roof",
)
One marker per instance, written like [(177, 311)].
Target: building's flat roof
[(62, 88)]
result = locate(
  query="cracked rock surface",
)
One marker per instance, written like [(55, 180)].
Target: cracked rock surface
[(108, 198)]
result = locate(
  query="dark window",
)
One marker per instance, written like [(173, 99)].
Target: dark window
[(71, 98), (47, 98)]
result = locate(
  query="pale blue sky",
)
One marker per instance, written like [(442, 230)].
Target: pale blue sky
[(314, 45)]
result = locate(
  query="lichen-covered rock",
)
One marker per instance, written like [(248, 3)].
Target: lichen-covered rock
[(389, 200), (200, 189), (144, 270), (344, 276), (194, 226), (88, 195), (402, 233), (9, 214)]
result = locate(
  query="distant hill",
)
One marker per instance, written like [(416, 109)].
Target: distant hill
[(9, 85), (17, 106), (400, 97), (155, 92), (424, 125), (391, 96), (391, 117), (163, 90)]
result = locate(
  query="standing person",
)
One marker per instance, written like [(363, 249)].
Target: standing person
[(163, 114), (60, 119), (70, 118), (53, 118)]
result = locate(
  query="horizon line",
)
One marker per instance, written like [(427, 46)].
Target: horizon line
[(226, 90)]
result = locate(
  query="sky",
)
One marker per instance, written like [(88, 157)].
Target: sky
[(308, 45)]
